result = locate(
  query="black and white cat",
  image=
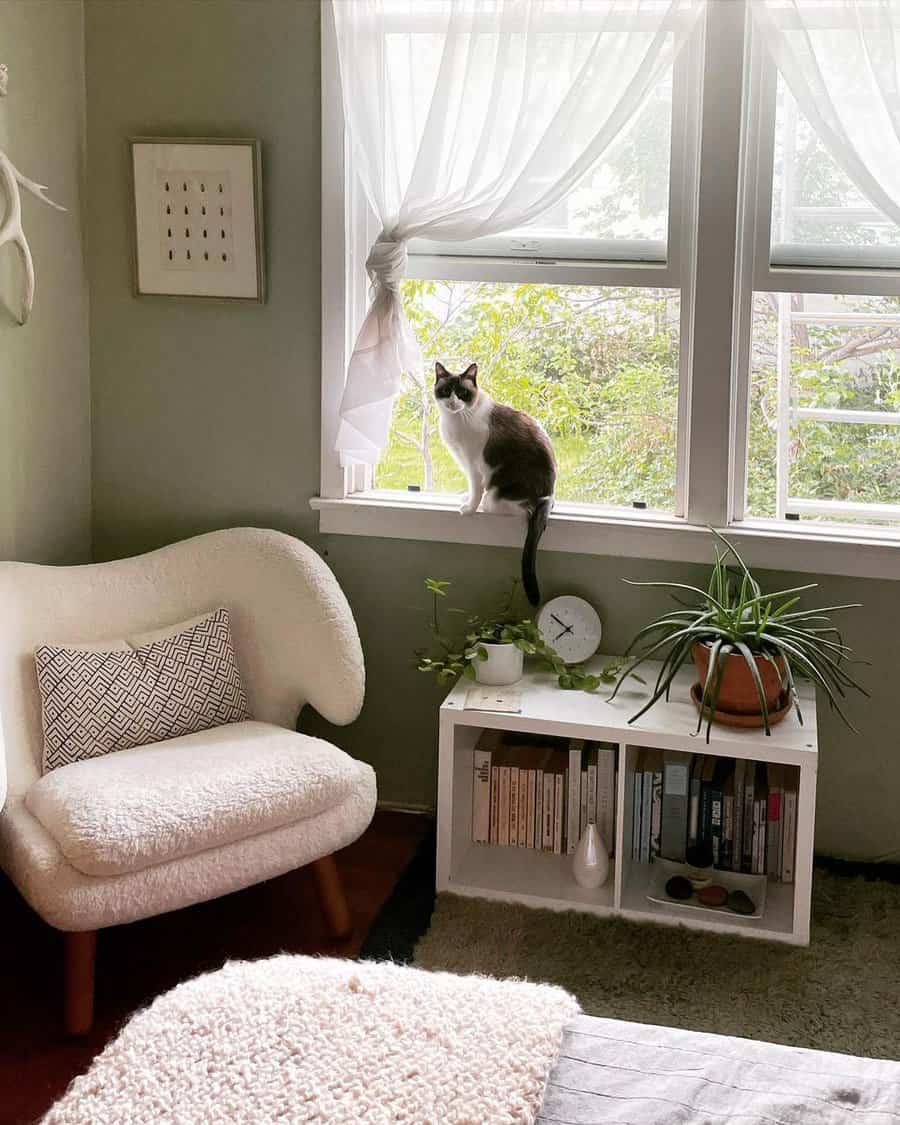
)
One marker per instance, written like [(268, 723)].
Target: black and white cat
[(506, 456)]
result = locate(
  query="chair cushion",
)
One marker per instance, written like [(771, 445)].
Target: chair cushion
[(137, 808)]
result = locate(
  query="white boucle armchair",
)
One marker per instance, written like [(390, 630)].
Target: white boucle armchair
[(281, 799)]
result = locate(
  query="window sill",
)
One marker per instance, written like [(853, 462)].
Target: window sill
[(589, 530)]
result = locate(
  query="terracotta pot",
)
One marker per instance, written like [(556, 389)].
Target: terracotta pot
[(738, 691)]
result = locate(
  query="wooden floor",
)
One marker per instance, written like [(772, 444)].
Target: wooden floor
[(135, 963)]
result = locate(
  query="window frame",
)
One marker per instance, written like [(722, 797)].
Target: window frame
[(717, 203)]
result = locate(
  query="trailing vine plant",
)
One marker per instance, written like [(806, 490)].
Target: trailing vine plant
[(455, 651)]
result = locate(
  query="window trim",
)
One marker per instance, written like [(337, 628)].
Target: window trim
[(709, 471), (616, 533)]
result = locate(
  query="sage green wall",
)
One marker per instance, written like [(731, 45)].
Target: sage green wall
[(45, 437), (206, 416)]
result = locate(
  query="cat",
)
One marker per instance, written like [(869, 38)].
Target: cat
[(506, 456)]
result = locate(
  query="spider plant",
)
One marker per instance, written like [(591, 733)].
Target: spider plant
[(733, 616)]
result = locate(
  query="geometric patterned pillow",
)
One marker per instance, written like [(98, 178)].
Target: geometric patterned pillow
[(95, 701)]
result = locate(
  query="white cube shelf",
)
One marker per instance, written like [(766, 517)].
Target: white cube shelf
[(543, 880)]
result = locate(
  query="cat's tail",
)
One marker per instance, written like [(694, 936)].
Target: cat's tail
[(537, 523)]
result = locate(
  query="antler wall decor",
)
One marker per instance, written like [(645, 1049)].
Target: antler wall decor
[(11, 228)]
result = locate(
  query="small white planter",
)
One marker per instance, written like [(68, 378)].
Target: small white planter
[(503, 666)]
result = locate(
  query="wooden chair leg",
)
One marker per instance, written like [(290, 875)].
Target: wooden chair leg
[(331, 897), (80, 955)]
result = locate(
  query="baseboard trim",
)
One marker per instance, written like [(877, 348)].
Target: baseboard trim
[(404, 807)]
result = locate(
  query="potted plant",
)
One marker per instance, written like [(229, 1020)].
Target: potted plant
[(490, 649), (747, 647)]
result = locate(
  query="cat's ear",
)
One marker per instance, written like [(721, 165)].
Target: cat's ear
[(440, 372), (471, 372)]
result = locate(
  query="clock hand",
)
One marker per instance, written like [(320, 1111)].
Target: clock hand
[(557, 620)]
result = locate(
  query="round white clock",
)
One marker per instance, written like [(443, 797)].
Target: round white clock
[(571, 627)]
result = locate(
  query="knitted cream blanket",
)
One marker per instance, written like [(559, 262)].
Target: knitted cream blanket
[(300, 1039)]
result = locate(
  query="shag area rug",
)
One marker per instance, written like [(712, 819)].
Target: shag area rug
[(301, 1039), (839, 994)]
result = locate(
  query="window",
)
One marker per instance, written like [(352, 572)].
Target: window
[(818, 216), (617, 316), (596, 365), (822, 370), (619, 211), (824, 435), (596, 361)]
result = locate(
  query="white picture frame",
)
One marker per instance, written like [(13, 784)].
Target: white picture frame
[(197, 218)]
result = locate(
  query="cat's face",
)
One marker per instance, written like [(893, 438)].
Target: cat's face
[(455, 392)]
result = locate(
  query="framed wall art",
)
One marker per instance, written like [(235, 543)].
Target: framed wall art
[(198, 218)]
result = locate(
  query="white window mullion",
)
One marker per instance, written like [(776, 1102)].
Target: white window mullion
[(784, 402), (754, 212), (711, 345), (682, 233)]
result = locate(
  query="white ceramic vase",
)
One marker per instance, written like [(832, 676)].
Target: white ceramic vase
[(590, 863), (503, 666)]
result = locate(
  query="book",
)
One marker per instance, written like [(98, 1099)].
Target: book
[(723, 768), (523, 807), (549, 800), (495, 803), (513, 806), (763, 818), (530, 808), (559, 812), (606, 793), (747, 841), (727, 849), (754, 859), (593, 754), (760, 804), (637, 795), (481, 796), (740, 768), (614, 810), (704, 827), (503, 808), (789, 829), (675, 799), (538, 809), (693, 828), (775, 776), (657, 763), (646, 804), (573, 794), (583, 803)]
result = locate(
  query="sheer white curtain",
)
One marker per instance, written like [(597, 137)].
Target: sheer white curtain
[(841, 61), (469, 118)]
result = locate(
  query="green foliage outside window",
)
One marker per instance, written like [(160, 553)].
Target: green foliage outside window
[(597, 367)]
